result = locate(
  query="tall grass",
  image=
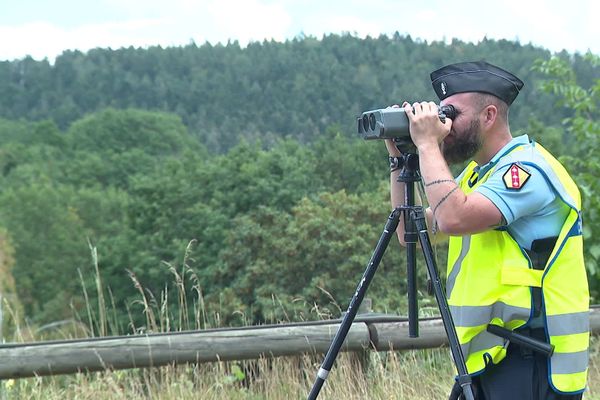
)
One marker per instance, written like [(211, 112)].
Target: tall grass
[(422, 374), (418, 374)]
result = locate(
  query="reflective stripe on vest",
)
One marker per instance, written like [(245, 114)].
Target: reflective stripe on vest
[(490, 279)]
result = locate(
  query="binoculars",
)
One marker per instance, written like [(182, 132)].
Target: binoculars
[(392, 122)]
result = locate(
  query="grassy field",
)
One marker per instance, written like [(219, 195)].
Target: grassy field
[(414, 375), (422, 374)]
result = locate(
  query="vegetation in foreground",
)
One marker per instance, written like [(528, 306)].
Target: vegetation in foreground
[(422, 374), (416, 374)]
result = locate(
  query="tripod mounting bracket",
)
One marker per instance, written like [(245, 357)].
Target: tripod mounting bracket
[(409, 162)]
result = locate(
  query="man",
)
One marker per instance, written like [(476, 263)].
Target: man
[(513, 219)]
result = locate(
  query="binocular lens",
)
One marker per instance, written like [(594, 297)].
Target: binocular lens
[(372, 121), (365, 123)]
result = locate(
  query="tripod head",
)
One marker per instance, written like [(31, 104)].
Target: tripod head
[(409, 164)]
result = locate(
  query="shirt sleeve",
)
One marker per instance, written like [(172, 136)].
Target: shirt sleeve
[(527, 194)]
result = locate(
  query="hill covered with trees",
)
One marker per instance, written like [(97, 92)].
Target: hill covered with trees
[(267, 90), (233, 171)]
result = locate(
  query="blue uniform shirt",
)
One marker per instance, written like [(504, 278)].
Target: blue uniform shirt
[(534, 211)]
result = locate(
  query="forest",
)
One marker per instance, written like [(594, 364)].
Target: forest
[(237, 171)]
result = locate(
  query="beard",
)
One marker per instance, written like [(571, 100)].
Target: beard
[(465, 144)]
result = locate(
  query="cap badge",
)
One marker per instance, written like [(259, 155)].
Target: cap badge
[(443, 88)]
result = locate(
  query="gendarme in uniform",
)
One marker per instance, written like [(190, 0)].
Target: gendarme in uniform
[(527, 275)]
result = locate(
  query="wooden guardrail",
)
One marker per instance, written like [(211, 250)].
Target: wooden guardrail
[(379, 332)]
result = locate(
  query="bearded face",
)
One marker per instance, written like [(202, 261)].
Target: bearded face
[(460, 146)]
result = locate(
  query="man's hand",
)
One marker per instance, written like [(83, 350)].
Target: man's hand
[(426, 129)]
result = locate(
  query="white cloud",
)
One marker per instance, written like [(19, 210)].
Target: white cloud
[(213, 21), (248, 20), (553, 24), (341, 23), (41, 39), (34, 39)]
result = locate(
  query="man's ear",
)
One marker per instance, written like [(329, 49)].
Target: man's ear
[(490, 115)]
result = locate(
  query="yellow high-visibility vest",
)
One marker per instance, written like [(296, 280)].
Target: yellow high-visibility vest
[(490, 280)]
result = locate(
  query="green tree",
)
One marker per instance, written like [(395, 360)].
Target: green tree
[(306, 264), (111, 146), (582, 141), (50, 246)]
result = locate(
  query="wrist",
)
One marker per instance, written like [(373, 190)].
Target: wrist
[(427, 148), (393, 151)]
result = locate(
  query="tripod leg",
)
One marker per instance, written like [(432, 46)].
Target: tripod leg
[(464, 379), (359, 294)]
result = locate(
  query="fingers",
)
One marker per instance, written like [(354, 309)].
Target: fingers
[(424, 107), (420, 109), (397, 106)]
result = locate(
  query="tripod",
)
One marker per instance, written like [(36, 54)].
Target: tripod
[(415, 229)]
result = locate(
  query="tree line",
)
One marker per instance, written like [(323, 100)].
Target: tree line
[(266, 90), (235, 171)]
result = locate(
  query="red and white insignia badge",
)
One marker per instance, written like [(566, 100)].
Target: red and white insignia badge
[(515, 177)]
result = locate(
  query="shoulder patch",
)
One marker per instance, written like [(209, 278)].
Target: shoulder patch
[(515, 177)]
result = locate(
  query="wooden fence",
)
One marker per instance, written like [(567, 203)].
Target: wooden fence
[(369, 331)]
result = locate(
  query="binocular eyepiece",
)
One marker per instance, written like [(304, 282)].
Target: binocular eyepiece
[(392, 122)]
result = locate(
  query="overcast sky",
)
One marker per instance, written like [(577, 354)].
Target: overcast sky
[(45, 28)]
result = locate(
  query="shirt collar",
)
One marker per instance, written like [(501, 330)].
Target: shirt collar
[(516, 141)]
